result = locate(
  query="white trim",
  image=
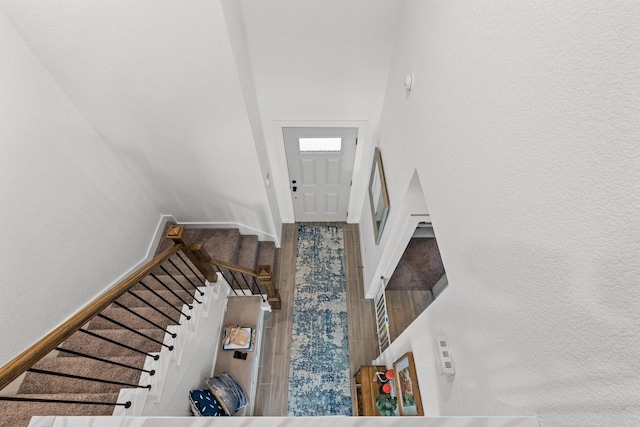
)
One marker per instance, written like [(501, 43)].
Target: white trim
[(337, 421), (280, 175), (244, 229)]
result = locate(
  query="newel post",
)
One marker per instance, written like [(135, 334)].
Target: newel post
[(264, 276), (196, 254)]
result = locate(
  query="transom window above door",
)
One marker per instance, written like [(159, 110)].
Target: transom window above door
[(320, 144)]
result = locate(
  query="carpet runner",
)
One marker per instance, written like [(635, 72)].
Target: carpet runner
[(319, 382)]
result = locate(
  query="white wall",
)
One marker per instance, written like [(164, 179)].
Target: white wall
[(73, 219), (523, 127), (319, 64), (238, 38), (159, 83)]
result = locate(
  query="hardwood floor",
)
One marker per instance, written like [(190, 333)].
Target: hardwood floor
[(273, 377)]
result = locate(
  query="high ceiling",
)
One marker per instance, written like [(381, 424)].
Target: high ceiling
[(320, 59)]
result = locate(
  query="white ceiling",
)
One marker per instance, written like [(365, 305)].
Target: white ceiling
[(158, 80), (319, 60)]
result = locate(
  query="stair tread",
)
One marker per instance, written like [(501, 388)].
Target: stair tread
[(247, 252), (97, 347), (129, 319), (34, 382), (223, 244), (18, 414), (131, 301), (169, 282), (220, 243), (172, 313), (178, 264), (187, 282)]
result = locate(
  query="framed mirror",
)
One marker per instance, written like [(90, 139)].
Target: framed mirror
[(378, 196)]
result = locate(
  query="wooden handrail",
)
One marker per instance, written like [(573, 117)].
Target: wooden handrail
[(37, 351), (234, 267), (263, 275)]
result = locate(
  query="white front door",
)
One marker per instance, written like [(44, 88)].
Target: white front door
[(320, 162)]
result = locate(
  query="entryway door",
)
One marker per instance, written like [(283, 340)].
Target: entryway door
[(320, 162)]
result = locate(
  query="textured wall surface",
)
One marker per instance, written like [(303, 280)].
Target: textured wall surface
[(73, 218), (524, 129)]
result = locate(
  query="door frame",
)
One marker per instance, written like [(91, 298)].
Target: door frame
[(280, 168)]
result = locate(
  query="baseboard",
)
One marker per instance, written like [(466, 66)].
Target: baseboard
[(244, 229)]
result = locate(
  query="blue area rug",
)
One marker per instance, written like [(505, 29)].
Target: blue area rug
[(319, 382)]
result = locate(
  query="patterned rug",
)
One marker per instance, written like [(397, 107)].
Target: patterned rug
[(319, 382)]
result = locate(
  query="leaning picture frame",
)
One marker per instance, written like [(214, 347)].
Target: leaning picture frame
[(407, 389)]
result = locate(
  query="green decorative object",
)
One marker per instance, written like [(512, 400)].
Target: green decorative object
[(386, 404)]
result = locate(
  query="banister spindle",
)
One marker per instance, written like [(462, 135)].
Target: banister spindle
[(177, 282), (140, 316), (151, 372), (164, 299), (225, 278), (148, 304), (255, 282), (153, 276), (185, 276), (128, 328), (84, 331), (235, 280), (184, 261)]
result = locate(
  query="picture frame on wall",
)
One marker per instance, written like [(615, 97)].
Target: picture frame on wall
[(407, 389), (378, 196)]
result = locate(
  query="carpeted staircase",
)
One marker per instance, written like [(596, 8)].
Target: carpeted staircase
[(223, 244), (228, 245)]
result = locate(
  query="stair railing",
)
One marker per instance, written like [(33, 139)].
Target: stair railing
[(240, 279), (171, 258), (243, 280)]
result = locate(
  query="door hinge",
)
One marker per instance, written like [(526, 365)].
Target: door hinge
[(356, 141), (351, 183)]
